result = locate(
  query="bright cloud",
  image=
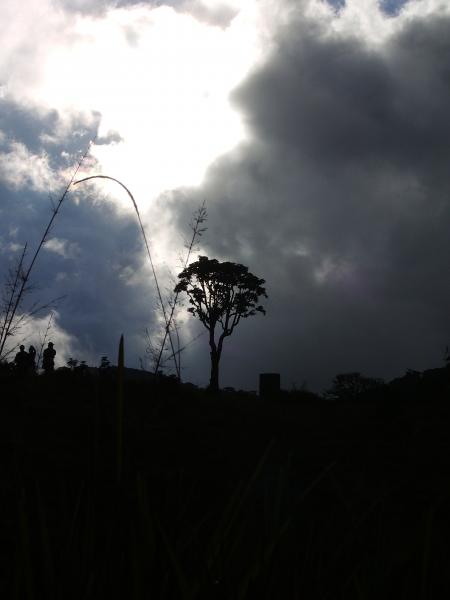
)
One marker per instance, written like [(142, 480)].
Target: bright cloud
[(19, 168), (38, 331), (158, 77)]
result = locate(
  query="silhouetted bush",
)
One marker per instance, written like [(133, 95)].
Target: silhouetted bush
[(352, 387), (433, 385)]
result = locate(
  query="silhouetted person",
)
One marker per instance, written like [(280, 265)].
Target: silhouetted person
[(21, 361), (48, 360), (32, 359)]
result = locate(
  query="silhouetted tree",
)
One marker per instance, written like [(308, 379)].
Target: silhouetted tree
[(197, 231), (104, 363), (351, 386), (72, 363), (220, 294), (17, 284), (13, 314)]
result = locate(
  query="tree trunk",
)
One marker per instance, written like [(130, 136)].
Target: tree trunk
[(216, 353), (214, 379), (215, 357)]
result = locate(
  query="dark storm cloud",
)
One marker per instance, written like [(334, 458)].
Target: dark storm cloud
[(20, 123), (341, 201), (101, 253), (94, 254), (343, 102), (102, 301), (39, 130)]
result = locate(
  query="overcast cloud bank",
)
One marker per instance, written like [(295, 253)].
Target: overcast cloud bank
[(341, 201)]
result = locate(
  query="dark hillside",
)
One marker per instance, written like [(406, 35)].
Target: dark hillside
[(221, 496)]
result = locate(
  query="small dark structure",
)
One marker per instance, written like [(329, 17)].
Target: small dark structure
[(269, 385)]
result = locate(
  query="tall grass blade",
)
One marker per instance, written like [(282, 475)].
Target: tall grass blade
[(196, 232), (26, 275), (254, 476), (25, 546), (427, 546), (73, 521), (13, 285), (119, 411), (426, 555), (360, 592), (44, 339), (67, 553), (146, 523), (229, 516), (47, 557), (158, 289), (187, 593)]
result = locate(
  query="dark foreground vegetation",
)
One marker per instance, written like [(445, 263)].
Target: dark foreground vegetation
[(192, 496)]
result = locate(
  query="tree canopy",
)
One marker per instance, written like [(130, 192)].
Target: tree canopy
[(220, 294)]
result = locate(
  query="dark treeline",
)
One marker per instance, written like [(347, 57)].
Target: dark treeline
[(431, 385)]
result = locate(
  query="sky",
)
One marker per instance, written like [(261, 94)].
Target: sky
[(318, 134)]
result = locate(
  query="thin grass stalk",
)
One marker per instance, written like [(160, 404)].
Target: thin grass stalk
[(426, 555), (352, 534), (12, 350), (188, 592), (282, 530), (41, 349), (119, 411), (196, 232), (360, 591), (47, 555), (147, 247), (73, 518), (146, 521), (180, 350), (72, 524), (25, 545), (228, 519), (27, 274), (11, 300), (135, 563), (177, 332), (426, 581), (24, 318)]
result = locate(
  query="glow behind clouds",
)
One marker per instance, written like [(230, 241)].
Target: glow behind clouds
[(159, 78)]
